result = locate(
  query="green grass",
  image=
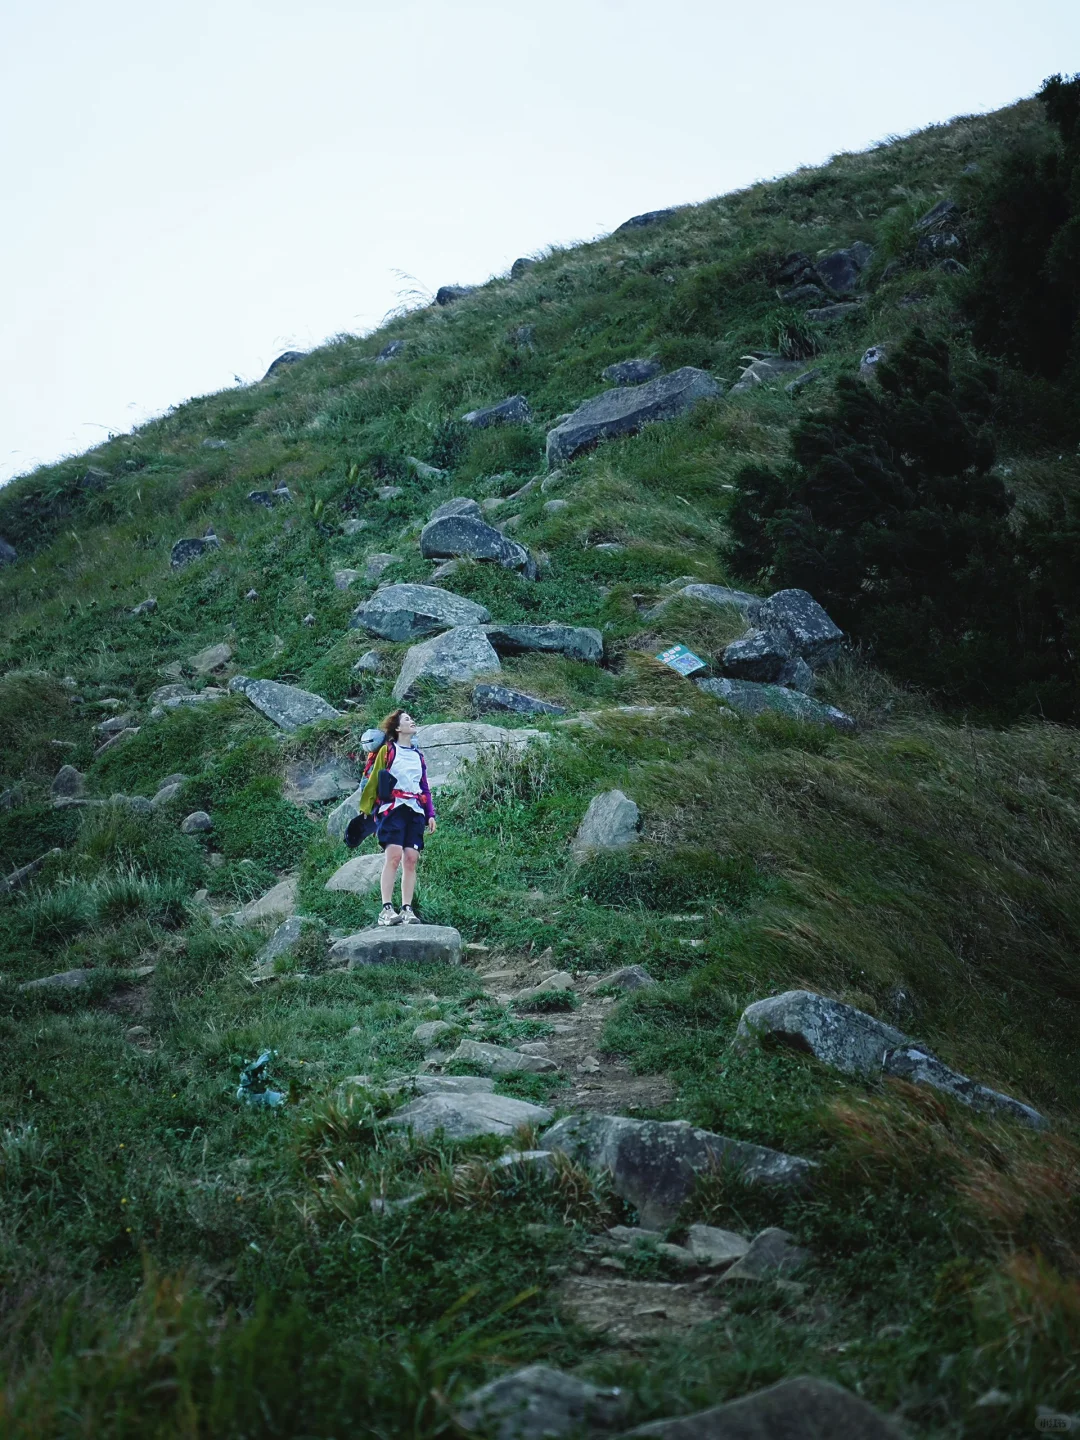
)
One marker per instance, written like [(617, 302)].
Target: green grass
[(177, 1264)]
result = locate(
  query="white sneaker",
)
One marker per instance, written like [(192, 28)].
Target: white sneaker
[(388, 915), (409, 916)]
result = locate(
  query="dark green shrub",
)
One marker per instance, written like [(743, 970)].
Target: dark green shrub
[(663, 879)]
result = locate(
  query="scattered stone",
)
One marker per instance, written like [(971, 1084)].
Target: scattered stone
[(454, 535), (215, 443), (115, 739), (915, 1065), (448, 294), (312, 785), (799, 1409), (944, 215), (375, 565), (497, 1059), (447, 746), (389, 492), (808, 294), (512, 411), (871, 359), (842, 269), (451, 1084), (279, 945), (165, 793), (714, 1247), (499, 697), (407, 612), (459, 505), (463, 1116), (951, 266), (624, 410), (390, 351), (631, 372), (432, 1030), (344, 578), (770, 1256), (286, 705), (610, 823), (68, 782), (632, 1310), (399, 945), (18, 878), (806, 378), (520, 267), (354, 525), (758, 372), (283, 361), (555, 507), (185, 551), (761, 655), (650, 217), (282, 492), (214, 657), (280, 900), (750, 698), (555, 984), (719, 597), (523, 337), (8, 554), (576, 642), (65, 980), (423, 471), (197, 823), (145, 607), (539, 1403), (261, 497), (609, 547), (359, 876), (628, 978), (252, 595), (832, 314), (813, 634), (457, 656), (654, 1163), (370, 663)]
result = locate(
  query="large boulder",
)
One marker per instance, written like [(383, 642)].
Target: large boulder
[(539, 1403), (8, 554), (513, 411), (631, 372), (185, 551), (625, 410), (760, 656), (627, 978), (399, 945), (515, 702), (654, 1164), (611, 822), (843, 269), (801, 1409), (498, 1060), (464, 1116), (837, 1034), (309, 784), (812, 632), (290, 357), (287, 706), (750, 698), (449, 745), (467, 535), (576, 642), (407, 612), (68, 782), (456, 656)]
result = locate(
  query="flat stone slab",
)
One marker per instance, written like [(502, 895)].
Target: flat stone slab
[(410, 612), (654, 1164), (358, 876), (447, 746), (515, 702), (463, 1116), (714, 1247), (628, 1310), (576, 642), (399, 945), (625, 410), (498, 1060), (799, 1409), (65, 980), (750, 698), (286, 705), (281, 900), (538, 1403)]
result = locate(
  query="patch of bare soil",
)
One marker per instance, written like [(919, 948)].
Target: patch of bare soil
[(637, 1309)]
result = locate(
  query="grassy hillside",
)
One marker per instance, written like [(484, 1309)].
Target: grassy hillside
[(172, 1263)]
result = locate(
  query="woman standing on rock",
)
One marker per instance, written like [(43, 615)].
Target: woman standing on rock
[(397, 794)]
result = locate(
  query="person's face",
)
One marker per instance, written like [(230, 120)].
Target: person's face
[(407, 726)]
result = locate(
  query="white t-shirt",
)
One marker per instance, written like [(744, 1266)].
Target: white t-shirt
[(407, 771)]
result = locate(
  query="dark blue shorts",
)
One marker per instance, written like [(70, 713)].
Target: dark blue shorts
[(402, 826)]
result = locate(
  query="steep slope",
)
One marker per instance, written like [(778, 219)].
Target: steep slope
[(252, 1265)]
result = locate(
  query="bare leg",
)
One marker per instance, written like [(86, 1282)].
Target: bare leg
[(408, 876), (389, 873)]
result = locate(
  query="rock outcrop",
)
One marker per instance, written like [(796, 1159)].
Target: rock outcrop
[(287, 706), (408, 612), (184, 552), (454, 657)]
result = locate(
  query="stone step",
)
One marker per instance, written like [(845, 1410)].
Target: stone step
[(399, 945)]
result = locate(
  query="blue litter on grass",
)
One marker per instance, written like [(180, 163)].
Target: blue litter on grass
[(681, 659), (253, 1089)]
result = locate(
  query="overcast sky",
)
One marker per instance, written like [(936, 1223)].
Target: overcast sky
[(190, 188)]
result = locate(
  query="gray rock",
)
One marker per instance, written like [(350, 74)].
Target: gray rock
[(871, 359), (759, 656), (358, 876), (539, 1403), (915, 1065), (115, 738), (165, 793), (609, 547), (68, 781), (407, 612), (498, 1060), (145, 607), (833, 314), (952, 266), (389, 492), (654, 1164), (214, 657), (770, 1256), (808, 294), (280, 899), (628, 978), (447, 746), (261, 497), (457, 656), (512, 411), (313, 784), (945, 215), (555, 507), (344, 578), (750, 698), (576, 642), (214, 443), (390, 351), (423, 471), (370, 663), (65, 980), (8, 554), (448, 294), (280, 943), (338, 819), (18, 878), (650, 217), (523, 337), (376, 565), (631, 372), (193, 548), (813, 634), (281, 492), (520, 267), (451, 1084), (354, 525), (610, 823), (719, 597), (464, 1116), (459, 505), (468, 535), (499, 697), (290, 357), (287, 706), (197, 823), (842, 269), (714, 1247), (432, 1030), (399, 945), (625, 410), (760, 372), (799, 1409), (796, 675), (806, 378)]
